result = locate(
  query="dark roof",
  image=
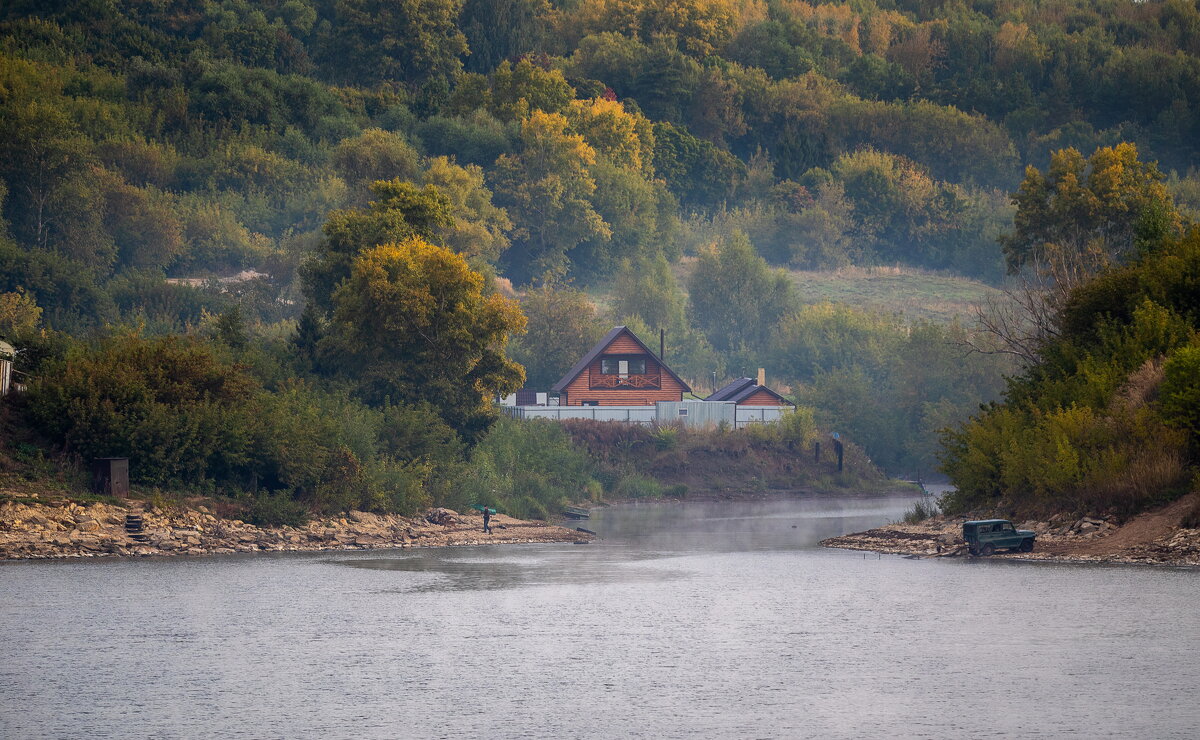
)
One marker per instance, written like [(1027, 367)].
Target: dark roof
[(741, 389), (598, 350), (727, 393)]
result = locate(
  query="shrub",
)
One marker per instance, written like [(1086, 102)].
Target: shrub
[(798, 427), (1191, 520), (276, 509), (527, 507), (1180, 390), (1073, 459), (636, 486), (920, 511), (170, 404), (665, 437), (523, 463)]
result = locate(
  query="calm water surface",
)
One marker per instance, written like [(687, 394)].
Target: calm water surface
[(695, 620)]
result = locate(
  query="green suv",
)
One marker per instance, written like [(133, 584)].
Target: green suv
[(986, 536)]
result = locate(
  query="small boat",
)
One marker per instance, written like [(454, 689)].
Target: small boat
[(575, 512)]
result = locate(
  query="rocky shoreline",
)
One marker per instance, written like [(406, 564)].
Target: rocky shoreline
[(1152, 538), (61, 528)]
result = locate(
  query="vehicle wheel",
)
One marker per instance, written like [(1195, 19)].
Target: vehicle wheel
[(987, 549), (1026, 545), (973, 551)]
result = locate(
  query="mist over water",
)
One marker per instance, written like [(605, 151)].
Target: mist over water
[(685, 620)]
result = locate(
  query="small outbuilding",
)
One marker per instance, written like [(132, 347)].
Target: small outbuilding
[(110, 476), (749, 392), (7, 355)]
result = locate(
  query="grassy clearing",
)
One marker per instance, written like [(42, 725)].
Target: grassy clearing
[(905, 291), (911, 293)]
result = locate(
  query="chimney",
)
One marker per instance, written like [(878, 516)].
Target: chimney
[(762, 376)]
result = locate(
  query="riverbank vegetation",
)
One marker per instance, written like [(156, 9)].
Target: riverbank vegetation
[(293, 250), (1101, 419)]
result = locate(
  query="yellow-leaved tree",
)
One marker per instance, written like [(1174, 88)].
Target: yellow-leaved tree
[(414, 324), (546, 187), (627, 139), (1077, 219), (1092, 211)]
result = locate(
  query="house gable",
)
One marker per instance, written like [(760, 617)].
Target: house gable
[(620, 371)]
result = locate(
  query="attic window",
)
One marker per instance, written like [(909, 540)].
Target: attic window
[(623, 365)]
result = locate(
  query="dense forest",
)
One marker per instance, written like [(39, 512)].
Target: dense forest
[(231, 229)]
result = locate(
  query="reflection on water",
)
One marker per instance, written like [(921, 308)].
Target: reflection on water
[(634, 539), (685, 620), (437, 573)]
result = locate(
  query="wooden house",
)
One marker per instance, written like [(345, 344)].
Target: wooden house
[(619, 371), (749, 392)]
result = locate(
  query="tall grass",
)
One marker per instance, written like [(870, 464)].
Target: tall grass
[(920, 511)]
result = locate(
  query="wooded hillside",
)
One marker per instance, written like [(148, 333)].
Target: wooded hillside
[(280, 180)]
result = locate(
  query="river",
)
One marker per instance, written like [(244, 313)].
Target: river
[(685, 620)]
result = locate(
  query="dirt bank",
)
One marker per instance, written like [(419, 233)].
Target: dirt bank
[(1154, 537), (61, 528)]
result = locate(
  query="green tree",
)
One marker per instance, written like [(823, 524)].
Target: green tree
[(521, 88), (1180, 391), (498, 30), (647, 289), (480, 228), (69, 292), (375, 155), (546, 188), (40, 149), (147, 231), (1089, 212), (641, 218), (562, 326), (413, 324), (400, 210), (230, 328), (379, 41), (697, 171), (736, 298)]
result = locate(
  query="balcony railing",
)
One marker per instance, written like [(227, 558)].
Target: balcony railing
[(627, 381)]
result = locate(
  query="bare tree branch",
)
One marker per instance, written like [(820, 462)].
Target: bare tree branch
[(1024, 317)]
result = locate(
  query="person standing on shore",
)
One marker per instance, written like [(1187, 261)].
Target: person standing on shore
[(487, 519)]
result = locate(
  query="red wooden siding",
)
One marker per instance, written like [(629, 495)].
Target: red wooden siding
[(623, 344), (580, 390)]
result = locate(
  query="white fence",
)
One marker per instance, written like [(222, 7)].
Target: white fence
[(624, 414), (698, 414), (747, 415)]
